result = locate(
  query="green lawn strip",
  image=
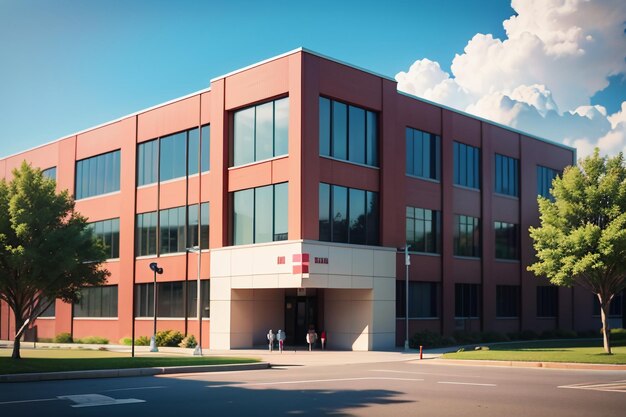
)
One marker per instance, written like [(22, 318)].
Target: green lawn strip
[(91, 360), (575, 351)]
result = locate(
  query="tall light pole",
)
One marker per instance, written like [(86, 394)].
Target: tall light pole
[(407, 262), (155, 268), (198, 350)]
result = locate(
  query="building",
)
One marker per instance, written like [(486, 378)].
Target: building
[(299, 177)]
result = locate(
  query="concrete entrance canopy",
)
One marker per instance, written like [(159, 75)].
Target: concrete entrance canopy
[(248, 285)]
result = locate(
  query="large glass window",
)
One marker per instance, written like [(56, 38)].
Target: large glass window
[(172, 230), (423, 230), (615, 309), (146, 234), (507, 300), (507, 175), (50, 311), (98, 175), (423, 154), (466, 165), (547, 301), (348, 215), (171, 299), (192, 226), (466, 236), (97, 302), (423, 298), (50, 173), (148, 162), (260, 132), (545, 176), (205, 148), (507, 240), (173, 156), (108, 231), (467, 300), (260, 214), (348, 132)]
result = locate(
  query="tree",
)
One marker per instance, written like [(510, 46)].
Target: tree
[(582, 236), (47, 250)]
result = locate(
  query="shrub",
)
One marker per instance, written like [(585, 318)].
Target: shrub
[(618, 334), (188, 342), (44, 339), (142, 341), (427, 339), (127, 341), (171, 338), (63, 338), (93, 340)]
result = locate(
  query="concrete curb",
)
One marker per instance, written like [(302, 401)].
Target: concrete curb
[(118, 373), (521, 364)]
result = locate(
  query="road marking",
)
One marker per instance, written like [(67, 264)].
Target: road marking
[(133, 388), (28, 401), (614, 386), (424, 373), (466, 383), (96, 400), (313, 381)]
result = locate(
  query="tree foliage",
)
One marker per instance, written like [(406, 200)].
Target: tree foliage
[(47, 250), (582, 237)]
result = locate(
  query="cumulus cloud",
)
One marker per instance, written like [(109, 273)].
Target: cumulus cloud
[(557, 54)]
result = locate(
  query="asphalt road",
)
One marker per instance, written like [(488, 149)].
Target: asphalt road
[(372, 389)]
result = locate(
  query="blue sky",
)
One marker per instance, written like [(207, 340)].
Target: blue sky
[(69, 65)]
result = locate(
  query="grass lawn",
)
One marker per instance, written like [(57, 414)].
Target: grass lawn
[(578, 351), (53, 360)]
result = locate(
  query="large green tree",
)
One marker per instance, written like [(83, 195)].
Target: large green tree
[(47, 250), (582, 236)]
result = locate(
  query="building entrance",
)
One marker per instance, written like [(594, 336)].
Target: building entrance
[(300, 313)]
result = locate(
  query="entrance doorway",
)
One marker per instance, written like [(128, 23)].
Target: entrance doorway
[(300, 313)]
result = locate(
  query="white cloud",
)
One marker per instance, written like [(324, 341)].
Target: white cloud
[(540, 79)]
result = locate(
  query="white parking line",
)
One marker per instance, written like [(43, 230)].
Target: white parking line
[(28, 401), (314, 381), (425, 373), (466, 383)]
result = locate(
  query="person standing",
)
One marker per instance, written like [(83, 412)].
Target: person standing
[(281, 336), (270, 338)]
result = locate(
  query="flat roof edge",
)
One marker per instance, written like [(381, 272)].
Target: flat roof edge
[(482, 119), (119, 119)]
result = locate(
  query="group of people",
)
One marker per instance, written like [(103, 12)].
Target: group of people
[(311, 338)]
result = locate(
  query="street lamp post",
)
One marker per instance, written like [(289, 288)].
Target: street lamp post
[(198, 350), (155, 268)]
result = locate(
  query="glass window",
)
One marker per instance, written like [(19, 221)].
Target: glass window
[(507, 240), (356, 135), (547, 301), (281, 202), (173, 156), (467, 301), (97, 302), (146, 234), (466, 165), (50, 173), (348, 215), (172, 226), (324, 126), (423, 298), (466, 236), (357, 216), (192, 298), (348, 132), (108, 231), (261, 132), (507, 300), (545, 176), (193, 145), (98, 175), (50, 311), (506, 176), (260, 214), (147, 162), (192, 226), (205, 151), (204, 225), (423, 230), (324, 210)]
